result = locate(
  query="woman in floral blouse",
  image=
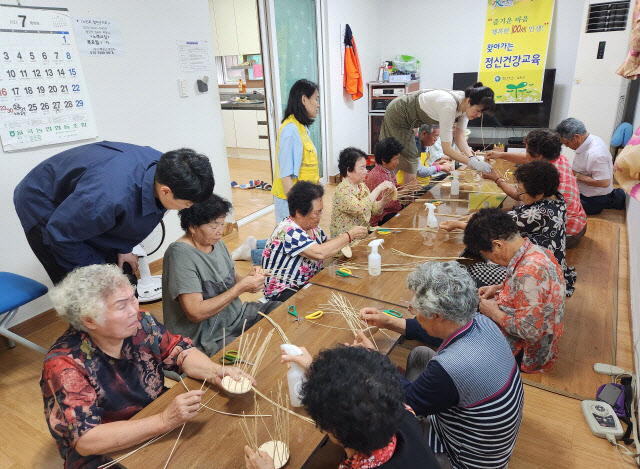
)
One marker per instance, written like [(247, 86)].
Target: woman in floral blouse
[(108, 366), (529, 304), (295, 251), (387, 153), (353, 203), (542, 218), (372, 424)]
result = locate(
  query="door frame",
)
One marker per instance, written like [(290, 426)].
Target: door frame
[(267, 21)]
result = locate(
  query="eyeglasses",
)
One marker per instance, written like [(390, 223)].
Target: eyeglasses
[(216, 224), (519, 192)]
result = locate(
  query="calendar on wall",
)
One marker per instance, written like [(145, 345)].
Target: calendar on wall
[(43, 95)]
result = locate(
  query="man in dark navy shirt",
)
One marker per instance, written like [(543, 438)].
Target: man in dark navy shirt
[(92, 204)]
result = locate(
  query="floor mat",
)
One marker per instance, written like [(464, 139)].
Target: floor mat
[(590, 318)]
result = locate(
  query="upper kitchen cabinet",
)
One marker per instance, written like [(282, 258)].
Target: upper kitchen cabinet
[(216, 46), (236, 27), (247, 26), (225, 23)]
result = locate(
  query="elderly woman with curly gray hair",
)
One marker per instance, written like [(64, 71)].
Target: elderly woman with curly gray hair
[(468, 392), (108, 365)]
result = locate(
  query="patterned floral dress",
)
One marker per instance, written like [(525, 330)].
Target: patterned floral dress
[(351, 207), (283, 256), (533, 299), (544, 222), (83, 387)]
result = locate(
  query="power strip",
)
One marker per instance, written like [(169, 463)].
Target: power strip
[(602, 420)]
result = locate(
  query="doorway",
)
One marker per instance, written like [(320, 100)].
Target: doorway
[(241, 84), (292, 33), (265, 45)]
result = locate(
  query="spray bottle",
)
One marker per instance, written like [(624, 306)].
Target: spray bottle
[(375, 262), (432, 221), (455, 184), (295, 375)]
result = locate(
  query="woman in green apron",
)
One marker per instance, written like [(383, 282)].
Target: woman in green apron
[(437, 107)]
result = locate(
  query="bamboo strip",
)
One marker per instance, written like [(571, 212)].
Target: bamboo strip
[(483, 192), (306, 419), (442, 200), (400, 253), (124, 456), (437, 230), (399, 229), (452, 215), (234, 415), (174, 446), (248, 435), (277, 327)]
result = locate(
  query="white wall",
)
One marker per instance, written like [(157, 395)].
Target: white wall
[(135, 100), (447, 36), (348, 124), (633, 233)]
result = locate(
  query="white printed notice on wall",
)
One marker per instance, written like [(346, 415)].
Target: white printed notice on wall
[(43, 96), (193, 56), (98, 36)]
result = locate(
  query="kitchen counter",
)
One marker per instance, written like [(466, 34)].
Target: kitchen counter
[(252, 106), (228, 101)]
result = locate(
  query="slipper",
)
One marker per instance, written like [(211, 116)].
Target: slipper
[(264, 185), (234, 184), (249, 185)]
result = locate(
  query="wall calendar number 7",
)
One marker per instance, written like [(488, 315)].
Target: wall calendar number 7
[(43, 95)]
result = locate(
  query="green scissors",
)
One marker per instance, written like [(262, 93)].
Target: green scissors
[(343, 272), (231, 357), (294, 312), (392, 312)]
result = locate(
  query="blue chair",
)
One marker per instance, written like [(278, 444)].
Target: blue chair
[(15, 291)]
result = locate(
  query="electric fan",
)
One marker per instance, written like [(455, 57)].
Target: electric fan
[(149, 286)]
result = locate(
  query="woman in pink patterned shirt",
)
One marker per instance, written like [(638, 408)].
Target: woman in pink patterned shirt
[(387, 153), (529, 305)]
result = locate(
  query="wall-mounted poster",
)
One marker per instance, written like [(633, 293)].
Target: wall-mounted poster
[(514, 51), (43, 95)]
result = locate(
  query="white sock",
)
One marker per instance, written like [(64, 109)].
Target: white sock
[(251, 242), (242, 253)]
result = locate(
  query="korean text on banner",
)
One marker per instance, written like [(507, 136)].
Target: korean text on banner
[(514, 51)]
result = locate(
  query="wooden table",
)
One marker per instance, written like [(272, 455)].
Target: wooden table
[(212, 440), (216, 441), (391, 286)]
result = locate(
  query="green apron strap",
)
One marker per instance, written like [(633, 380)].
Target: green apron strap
[(418, 122)]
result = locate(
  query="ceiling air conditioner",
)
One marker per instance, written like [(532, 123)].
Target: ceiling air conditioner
[(598, 95)]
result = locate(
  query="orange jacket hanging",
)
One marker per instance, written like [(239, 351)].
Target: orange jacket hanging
[(352, 70)]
